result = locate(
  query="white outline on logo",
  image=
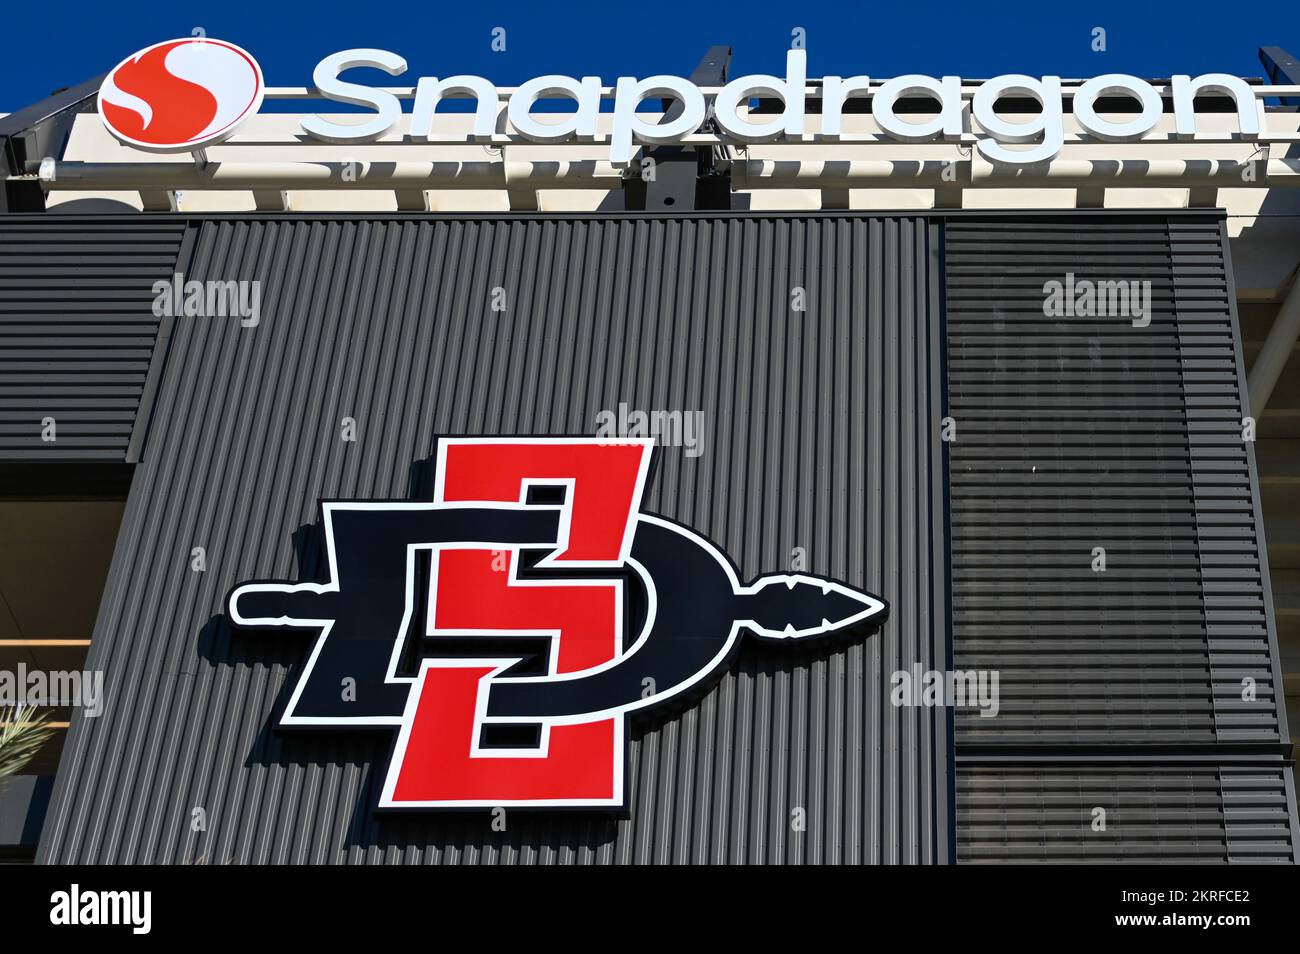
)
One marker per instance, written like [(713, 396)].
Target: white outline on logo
[(499, 665)]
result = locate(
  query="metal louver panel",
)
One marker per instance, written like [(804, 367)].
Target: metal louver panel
[(77, 330), (819, 436), (1089, 437), (1240, 629), (1152, 814), (1078, 433)]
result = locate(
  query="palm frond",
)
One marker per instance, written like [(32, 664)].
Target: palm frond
[(22, 733)]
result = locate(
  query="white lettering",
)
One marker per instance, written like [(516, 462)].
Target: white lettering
[(388, 110), (1025, 140)]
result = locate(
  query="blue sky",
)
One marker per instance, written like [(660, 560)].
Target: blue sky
[(48, 46)]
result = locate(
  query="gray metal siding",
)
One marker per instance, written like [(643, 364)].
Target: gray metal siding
[(1083, 432), (820, 434), (1241, 631), (1154, 814), (1072, 434), (77, 329)]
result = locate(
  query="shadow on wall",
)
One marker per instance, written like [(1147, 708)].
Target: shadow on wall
[(92, 206)]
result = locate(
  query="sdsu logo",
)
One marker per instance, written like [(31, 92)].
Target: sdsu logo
[(507, 629), (181, 95)]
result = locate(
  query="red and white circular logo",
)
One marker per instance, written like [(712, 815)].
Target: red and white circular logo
[(181, 95)]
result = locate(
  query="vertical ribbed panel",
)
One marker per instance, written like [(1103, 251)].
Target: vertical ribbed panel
[(77, 328), (819, 434)]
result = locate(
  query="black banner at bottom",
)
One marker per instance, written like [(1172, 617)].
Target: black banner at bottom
[(293, 905)]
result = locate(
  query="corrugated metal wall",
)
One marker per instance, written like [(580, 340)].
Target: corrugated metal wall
[(1085, 432), (1119, 690), (77, 328), (820, 435)]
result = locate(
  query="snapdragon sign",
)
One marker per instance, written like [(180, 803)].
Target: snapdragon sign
[(183, 94)]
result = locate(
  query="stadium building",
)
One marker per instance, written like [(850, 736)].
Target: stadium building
[(810, 469)]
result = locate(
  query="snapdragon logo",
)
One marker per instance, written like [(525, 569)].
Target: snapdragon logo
[(181, 95), (1022, 140), (86, 907)]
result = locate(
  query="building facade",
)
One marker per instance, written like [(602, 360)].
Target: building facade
[(1048, 414)]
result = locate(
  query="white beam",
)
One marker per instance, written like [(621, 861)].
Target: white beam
[(1278, 346)]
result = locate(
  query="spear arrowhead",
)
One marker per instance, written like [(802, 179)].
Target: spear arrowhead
[(796, 606)]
